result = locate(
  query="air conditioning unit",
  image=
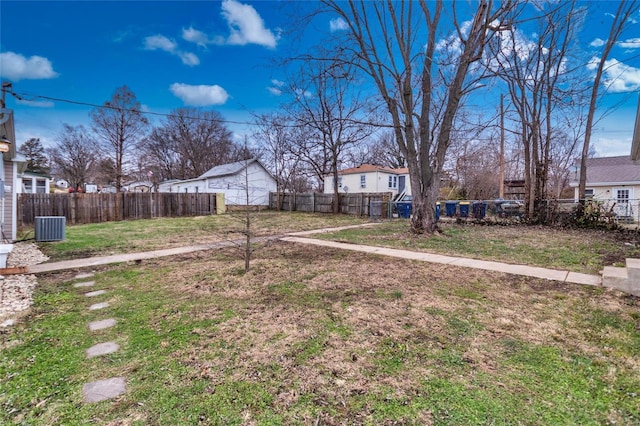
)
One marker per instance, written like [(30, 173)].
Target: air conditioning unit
[(50, 228)]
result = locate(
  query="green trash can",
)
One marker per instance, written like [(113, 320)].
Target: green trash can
[(464, 208)]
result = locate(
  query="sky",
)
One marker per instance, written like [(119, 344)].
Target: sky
[(221, 55)]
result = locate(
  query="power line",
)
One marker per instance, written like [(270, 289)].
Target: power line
[(22, 96)]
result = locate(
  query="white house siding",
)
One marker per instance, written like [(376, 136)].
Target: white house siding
[(375, 181), (234, 186)]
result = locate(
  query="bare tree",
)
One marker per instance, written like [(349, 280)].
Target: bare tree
[(381, 151), (276, 134), (119, 125), (538, 82), (188, 143), (619, 23), (396, 44), (74, 154), (330, 110)]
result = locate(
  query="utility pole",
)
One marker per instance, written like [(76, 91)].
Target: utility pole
[(502, 146)]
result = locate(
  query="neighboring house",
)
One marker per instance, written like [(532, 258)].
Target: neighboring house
[(166, 185), (62, 184), (12, 165), (614, 180), (369, 178), (141, 186), (235, 181), (34, 183)]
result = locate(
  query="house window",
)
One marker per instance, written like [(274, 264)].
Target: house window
[(393, 182), (622, 207), (41, 186), (588, 193), (28, 186), (622, 196), (363, 181)]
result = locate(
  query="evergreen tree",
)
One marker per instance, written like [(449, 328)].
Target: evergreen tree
[(35, 154)]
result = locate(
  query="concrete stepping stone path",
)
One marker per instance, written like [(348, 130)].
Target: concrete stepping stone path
[(102, 349), (83, 275), (97, 306), (104, 389), (84, 284), (102, 324), (95, 293)]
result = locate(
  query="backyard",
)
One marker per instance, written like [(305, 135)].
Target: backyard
[(314, 335)]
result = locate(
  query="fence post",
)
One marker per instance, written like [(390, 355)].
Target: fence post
[(313, 202)]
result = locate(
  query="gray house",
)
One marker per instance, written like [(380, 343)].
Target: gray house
[(12, 166)]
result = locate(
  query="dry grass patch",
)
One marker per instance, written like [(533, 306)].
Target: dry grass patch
[(321, 336)]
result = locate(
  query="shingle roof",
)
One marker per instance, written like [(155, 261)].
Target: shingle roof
[(612, 169), (226, 169), (364, 168)]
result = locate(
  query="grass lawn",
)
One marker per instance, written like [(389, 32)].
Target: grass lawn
[(586, 251), (320, 336), (144, 235), (314, 335)]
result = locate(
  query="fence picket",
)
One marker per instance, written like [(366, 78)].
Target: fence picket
[(96, 208)]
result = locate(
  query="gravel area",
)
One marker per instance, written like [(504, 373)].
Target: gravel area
[(17, 290)]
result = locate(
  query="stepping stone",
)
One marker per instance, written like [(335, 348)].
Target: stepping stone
[(103, 389), (84, 275), (99, 325), (84, 284), (97, 306), (102, 349), (95, 293)]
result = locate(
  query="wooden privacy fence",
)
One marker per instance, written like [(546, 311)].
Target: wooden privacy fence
[(311, 202), (97, 208)]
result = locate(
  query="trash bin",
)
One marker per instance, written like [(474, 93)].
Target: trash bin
[(404, 210), (479, 209), (450, 207), (464, 208), (437, 211)]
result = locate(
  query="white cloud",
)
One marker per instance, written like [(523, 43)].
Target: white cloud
[(630, 43), (200, 95), (598, 42), (619, 77), (338, 24), (160, 42), (18, 67), (37, 104), (196, 36), (246, 26), (276, 87), (189, 58)]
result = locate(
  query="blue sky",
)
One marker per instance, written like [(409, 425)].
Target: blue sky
[(214, 54)]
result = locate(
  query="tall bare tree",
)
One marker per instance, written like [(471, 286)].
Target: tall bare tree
[(277, 136), (396, 44), (188, 143), (329, 108), (119, 125), (538, 82), (618, 24), (74, 154)]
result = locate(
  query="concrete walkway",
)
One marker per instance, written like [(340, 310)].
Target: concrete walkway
[(299, 237)]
